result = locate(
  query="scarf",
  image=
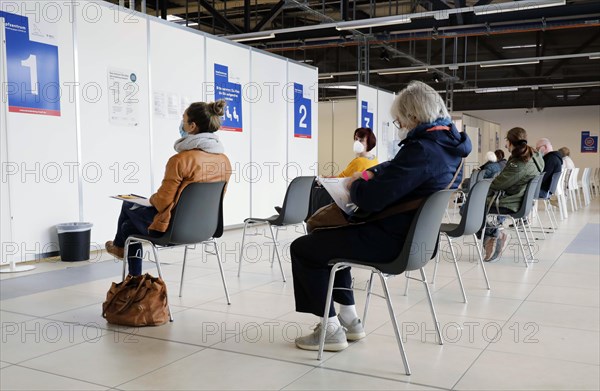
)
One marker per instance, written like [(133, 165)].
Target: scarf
[(208, 142)]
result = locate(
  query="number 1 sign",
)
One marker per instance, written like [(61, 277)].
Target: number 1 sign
[(32, 70)]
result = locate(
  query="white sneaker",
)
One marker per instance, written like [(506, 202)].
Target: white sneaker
[(335, 339), (354, 329)]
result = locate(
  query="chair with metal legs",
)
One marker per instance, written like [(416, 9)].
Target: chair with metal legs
[(518, 216), (419, 247), (546, 199), (196, 219), (473, 214), (293, 212)]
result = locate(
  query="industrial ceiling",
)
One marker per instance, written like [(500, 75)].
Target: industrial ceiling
[(479, 54)]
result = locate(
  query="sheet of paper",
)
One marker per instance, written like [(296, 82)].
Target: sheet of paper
[(133, 198), (336, 187)]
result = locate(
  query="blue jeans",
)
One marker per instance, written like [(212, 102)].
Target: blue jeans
[(134, 220)]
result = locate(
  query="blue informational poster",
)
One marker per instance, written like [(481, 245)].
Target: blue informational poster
[(366, 117), (32, 70), (589, 144), (232, 93), (302, 113)]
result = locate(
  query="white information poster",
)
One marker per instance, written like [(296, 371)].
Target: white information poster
[(173, 106), (159, 104), (123, 99)]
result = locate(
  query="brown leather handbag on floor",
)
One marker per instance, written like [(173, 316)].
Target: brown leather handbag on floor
[(137, 301)]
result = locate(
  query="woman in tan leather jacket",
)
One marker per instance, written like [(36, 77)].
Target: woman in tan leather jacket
[(200, 158)]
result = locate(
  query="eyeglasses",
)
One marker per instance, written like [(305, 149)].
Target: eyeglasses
[(397, 124)]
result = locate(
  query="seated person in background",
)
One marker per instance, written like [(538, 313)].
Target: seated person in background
[(428, 159), (491, 167), (200, 158), (524, 164), (364, 142), (566, 157), (500, 158), (552, 164)]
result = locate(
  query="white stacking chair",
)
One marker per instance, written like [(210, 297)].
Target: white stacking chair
[(584, 185), (561, 196), (572, 188)]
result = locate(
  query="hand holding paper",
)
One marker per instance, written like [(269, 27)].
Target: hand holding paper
[(338, 190)]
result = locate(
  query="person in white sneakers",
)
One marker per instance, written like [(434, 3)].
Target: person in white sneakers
[(427, 161)]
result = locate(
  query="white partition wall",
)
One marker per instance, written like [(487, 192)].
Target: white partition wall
[(39, 141), (302, 103), (388, 138), (228, 67), (125, 79), (269, 132), (172, 92), (115, 126)]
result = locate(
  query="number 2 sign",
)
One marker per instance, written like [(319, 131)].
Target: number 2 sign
[(32, 70), (302, 113)]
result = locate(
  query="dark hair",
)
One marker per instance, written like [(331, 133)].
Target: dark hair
[(499, 154), (368, 133), (206, 116), (518, 138)]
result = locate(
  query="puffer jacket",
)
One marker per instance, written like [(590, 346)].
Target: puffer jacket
[(182, 169), (513, 180)]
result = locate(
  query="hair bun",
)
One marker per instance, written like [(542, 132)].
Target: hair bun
[(218, 107)]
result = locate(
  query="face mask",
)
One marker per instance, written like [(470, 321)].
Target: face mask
[(182, 132), (358, 147)]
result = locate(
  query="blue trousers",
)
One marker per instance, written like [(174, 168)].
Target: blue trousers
[(134, 220)]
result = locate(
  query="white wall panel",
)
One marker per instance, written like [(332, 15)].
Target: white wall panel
[(387, 137), (302, 152), (172, 48), (237, 144), (115, 158), (42, 150), (269, 132)]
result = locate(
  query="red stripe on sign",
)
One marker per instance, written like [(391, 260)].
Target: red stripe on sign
[(230, 129), (438, 128), (302, 136), (29, 110)]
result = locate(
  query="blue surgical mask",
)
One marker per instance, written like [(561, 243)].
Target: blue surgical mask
[(182, 132)]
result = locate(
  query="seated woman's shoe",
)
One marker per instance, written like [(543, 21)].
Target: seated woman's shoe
[(118, 252)]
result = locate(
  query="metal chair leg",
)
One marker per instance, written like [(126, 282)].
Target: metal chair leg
[(242, 249), (520, 241), (183, 271), (334, 269), (369, 288), (487, 282), (161, 277), (435, 265), (460, 282), (394, 322), (407, 275), (435, 319), (529, 243), (214, 242), (276, 238), (277, 252)]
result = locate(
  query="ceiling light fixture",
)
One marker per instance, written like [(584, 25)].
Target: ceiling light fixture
[(533, 45), (506, 64), (360, 24), (495, 89), (339, 87), (405, 70), (325, 77), (173, 18), (516, 6), (254, 38), (594, 57)]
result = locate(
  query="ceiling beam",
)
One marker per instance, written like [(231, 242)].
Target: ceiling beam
[(220, 17), (584, 45), (276, 10)]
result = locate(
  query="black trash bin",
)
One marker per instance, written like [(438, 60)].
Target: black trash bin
[(74, 241)]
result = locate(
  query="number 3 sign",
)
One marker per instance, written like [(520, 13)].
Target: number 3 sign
[(32, 70), (302, 113)]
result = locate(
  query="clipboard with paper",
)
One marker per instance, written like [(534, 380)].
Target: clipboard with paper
[(336, 187)]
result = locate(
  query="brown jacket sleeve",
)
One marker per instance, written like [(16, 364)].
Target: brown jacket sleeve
[(165, 195)]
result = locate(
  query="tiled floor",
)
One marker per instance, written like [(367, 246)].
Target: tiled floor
[(538, 328)]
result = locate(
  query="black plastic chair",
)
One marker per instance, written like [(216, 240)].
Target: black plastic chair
[(473, 214), (419, 247), (548, 206), (196, 219), (293, 212), (531, 193)]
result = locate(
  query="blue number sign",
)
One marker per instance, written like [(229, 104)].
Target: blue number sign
[(302, 113), (366, 118), (32, 70)]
